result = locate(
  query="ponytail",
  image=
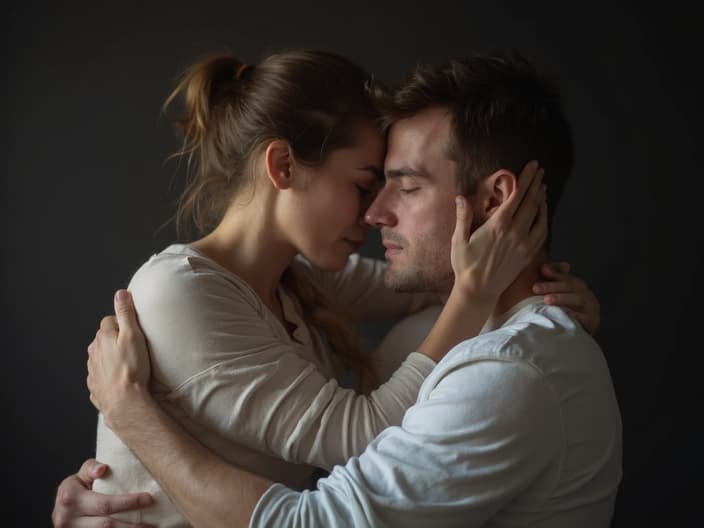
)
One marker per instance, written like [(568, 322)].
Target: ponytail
[(206, 89)]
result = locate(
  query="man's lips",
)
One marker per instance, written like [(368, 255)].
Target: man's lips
[(391, 249), (389, 245)]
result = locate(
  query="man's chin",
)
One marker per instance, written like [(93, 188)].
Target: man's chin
[(413, 281), (399, 282)]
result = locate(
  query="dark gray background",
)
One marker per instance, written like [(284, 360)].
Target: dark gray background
[(85, 190)]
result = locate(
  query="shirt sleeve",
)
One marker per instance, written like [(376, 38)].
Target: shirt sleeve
[(482, 436), (226, 366), (359, 288)]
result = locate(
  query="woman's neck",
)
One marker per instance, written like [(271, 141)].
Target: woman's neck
[(246, 244)]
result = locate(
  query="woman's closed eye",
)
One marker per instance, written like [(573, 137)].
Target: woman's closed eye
[(364, 190)]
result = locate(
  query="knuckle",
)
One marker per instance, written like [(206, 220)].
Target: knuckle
[(88, 464), (67, 498)]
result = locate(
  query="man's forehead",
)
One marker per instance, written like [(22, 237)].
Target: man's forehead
[(419, 139)]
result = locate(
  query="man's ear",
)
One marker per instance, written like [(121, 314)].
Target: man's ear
[(496, 189), (278, 162)]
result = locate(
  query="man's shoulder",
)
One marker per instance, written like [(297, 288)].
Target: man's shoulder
[(532, 331), (542, 338)]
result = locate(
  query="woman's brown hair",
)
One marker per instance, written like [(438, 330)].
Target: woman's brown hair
[(230, 111)]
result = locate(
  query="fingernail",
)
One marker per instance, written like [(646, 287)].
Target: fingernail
[(98, 469), (121, 296), (145, 499), (537, 288), (459, 202)]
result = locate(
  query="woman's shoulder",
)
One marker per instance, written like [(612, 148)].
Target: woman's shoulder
[(180, 272)]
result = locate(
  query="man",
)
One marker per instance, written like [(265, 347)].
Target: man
[(518, 426)]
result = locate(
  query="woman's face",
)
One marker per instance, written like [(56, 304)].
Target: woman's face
[(324, 213)]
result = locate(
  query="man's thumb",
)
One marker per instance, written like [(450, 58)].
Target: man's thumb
[(124, 309)]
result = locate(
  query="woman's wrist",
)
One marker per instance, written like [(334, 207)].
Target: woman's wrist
[(468, 293)]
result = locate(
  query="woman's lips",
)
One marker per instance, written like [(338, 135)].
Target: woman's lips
[(356, 244)]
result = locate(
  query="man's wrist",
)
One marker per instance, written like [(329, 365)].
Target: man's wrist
[(125, 400)]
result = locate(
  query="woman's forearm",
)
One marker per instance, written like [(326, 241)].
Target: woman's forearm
[(206, 489), (460, 319)]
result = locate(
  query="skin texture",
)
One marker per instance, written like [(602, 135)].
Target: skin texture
[(415, 210)]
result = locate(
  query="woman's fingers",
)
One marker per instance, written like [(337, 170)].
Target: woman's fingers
[(572, 284), (555, 270), (525, 181)]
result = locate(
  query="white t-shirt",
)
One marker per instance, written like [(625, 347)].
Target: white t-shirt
[(226, 368), (516, 427)]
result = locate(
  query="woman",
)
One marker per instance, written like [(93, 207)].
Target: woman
[(286, 154)]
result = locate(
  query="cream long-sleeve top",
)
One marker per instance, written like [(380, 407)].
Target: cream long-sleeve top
[(226, 368), (517, 427)]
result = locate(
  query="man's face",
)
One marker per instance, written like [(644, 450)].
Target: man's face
[(416, 209)]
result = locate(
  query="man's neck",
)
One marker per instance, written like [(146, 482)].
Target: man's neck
[(519, 289)]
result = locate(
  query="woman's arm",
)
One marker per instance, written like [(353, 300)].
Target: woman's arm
[(571, 293), (232, 368)]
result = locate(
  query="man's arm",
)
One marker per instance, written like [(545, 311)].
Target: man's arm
[(184, 467), (485, 433), (205, 488)]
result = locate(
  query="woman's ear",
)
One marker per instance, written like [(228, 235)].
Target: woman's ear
[(496, 189), (278, 161)]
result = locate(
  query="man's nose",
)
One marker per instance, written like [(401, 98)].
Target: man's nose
[(379, 213)]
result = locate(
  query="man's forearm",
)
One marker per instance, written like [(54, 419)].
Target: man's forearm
[(206, 489)]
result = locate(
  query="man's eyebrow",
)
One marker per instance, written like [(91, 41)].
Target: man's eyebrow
[(376, 171), (407, 171)]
